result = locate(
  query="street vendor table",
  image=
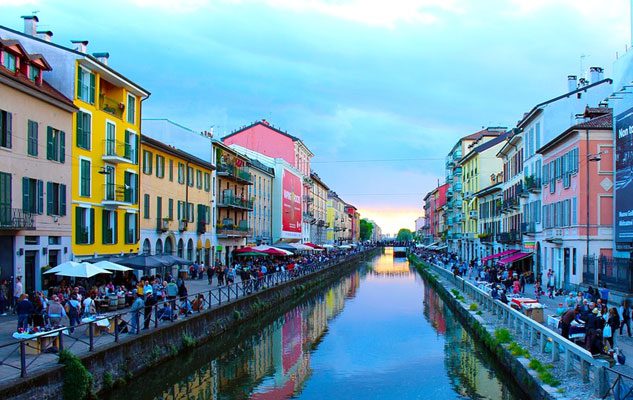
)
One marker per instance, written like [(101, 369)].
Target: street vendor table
[(101, 324), (39, 342), (576, 330)]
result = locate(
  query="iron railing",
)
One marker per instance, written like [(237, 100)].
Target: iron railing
[(16, 219), (226, 200), (234, 172), (111, 106)]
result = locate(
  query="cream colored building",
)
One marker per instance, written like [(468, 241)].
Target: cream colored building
[(35, 168), (261, 192), (318, 208)]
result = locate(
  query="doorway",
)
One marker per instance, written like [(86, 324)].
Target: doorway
[(566, 266), (30, 260)]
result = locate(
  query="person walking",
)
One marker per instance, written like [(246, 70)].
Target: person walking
[(613, 323), (73, 310), (522, 282), (17, 292), (55, 312), (624, 312)]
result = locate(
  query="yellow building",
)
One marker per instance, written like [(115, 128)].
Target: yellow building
[(478, 166), (175, 202), (104, 142), (335, 218), (318, 208)]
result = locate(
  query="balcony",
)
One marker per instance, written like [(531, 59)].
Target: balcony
[(459, 217), (231, 201), (163, 224), (457, 187), (16, 219), (458, 171), (182, 225), (117, 195), (528, 228), (449, 193), (533, 184), (457, 203), (449, 220), (235, 173), (522, 191), (229, 229), (111, 106), (118, 152), (202, 227), (450, 163), (457, 155), (449, 179), (511, 237), (486, 237)]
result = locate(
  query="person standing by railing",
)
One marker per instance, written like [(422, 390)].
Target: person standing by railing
[(150, 302), (135, 313)]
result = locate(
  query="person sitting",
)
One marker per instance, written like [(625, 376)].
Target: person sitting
[(198, 303)]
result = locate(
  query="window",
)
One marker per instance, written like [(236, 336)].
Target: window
[(207, 182), (84, 225), (9, 61), (131, 187), (131, 146), (171, 170), (170, 209), (55, 199), (190, 176), (109, 227), (159, 207), (181, 173), (110, 149), (213, 186), (55, 145), (160, 166), (33, 73), (190, 211), (32, 195), (146, 206), (84, 177), (131, 235), (131, 109), (32, 138), (147, 162), (5, 194), (198, 179), (85, 85), (6, 124)]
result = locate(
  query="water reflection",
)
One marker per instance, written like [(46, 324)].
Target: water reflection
[(363, 338)]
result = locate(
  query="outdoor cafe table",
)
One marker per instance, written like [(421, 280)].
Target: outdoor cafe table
[(40, 341), (102, 324)]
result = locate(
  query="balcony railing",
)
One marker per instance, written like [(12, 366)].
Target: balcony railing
[(202, 227), (486, 237), (522, 191), (111, 106), (533, 184), (457, 203), (457, 155), (457, 187), (116, 151), (458, 171), (163, 224), (511, 237), (16, 219), (234, 172), (118, 194), (528, 228), (229, 229), (235, 202)]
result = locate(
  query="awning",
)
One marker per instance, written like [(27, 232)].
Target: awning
[(499, 255), (513, 258)]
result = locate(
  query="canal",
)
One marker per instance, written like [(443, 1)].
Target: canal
[(378, 333)]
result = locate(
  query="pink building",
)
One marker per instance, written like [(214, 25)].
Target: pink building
[(578, 182)]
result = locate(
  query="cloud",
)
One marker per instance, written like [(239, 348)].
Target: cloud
[(177, 6)]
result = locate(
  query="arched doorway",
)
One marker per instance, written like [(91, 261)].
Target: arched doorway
[(147, 247), (190, 250), (207, 253), (159, 246), (169, 246), (181, 248)]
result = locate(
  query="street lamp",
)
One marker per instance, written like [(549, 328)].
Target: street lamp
[(591, 158)]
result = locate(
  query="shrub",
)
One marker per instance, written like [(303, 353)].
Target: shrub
[(188, 341), (518, 351), (503, 335), (455, 292), (473, 307), (544, 373), (108, 381), (77, 379)]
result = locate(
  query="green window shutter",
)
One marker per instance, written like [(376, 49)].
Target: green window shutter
[(136, 149), (92, 226), (9, 128), (127, 145), (80, 130), (49, 143), (104, 226), (92, 88), (170, 208), (115, 230), (62, 147), (26, 195), (62, 200), (159, 207), (40, 197), (171, 170), (179, 216), (78, 225), (126, 227), (49, 198), (80, 82)]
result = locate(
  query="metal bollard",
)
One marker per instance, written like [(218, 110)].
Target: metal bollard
[(116, 327), (22, 359), (92, 340), (60, 337)]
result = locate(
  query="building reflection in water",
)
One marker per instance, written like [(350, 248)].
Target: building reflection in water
[(275, 363), (465, 362)]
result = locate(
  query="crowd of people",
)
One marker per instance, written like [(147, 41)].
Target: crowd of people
[(73, 303), (589, 308)]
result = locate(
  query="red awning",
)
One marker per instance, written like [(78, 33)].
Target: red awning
[(499, 255), (514, 257), (314, 246)]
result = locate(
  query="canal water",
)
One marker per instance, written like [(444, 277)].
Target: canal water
[(378, 333)]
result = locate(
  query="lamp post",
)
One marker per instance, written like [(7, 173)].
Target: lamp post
[(590, 158)]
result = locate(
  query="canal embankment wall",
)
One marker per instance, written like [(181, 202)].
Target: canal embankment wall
[(120, 362), (484, 319)]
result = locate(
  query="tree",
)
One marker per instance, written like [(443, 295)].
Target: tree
[(366, 229), (404, 235)]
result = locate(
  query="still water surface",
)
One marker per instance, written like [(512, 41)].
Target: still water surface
[(379, 333)]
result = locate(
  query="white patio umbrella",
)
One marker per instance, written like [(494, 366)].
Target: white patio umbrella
[(302, 247), (327, 246), (110, 266), (272, 250), (83, 270), (62, 266)]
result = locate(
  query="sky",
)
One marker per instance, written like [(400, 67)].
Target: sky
[(379, 91)]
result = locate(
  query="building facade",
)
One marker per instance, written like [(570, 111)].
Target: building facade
[(511, 155), (175, 203), (318, 193), (260, 220), (35, 173)]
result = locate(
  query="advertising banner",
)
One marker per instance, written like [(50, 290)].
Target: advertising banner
[(291, 203), (623, 177)]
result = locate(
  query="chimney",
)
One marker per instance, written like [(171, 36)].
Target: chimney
[(102, 57), (80, 45), (45, 35), (572, 83), (595, 74), (30, 24)]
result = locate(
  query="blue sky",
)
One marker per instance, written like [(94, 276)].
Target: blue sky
[(356, 80)]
